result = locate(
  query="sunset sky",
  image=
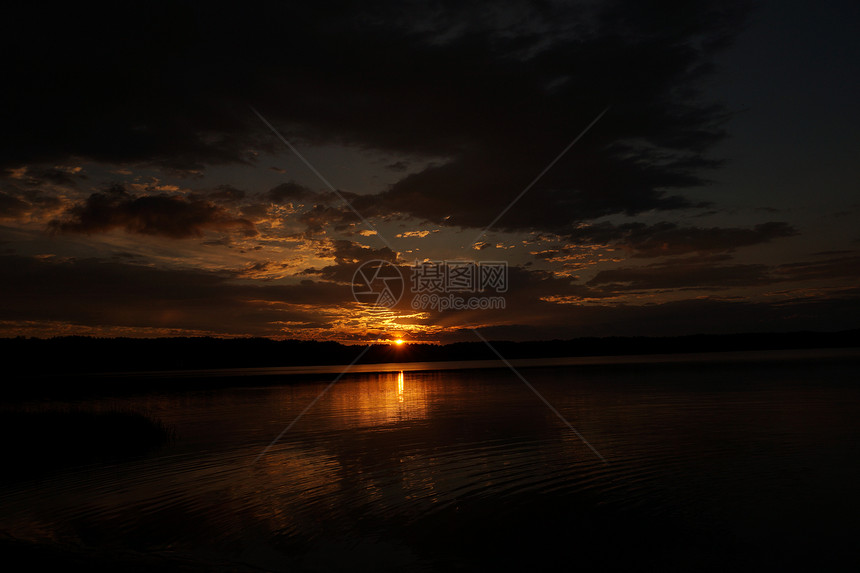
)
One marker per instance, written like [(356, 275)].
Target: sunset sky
[(140, 195)]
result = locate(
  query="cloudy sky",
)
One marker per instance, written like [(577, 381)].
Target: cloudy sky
[(141, 194)]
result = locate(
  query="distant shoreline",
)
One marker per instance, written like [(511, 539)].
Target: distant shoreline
[(431, 366), (28, 357), (75, 386)]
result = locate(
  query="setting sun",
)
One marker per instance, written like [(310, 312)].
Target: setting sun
[(399, 342)]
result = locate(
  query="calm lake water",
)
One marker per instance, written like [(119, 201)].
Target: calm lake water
[(710, 462)]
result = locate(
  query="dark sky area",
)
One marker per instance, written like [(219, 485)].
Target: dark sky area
[(140, 194)]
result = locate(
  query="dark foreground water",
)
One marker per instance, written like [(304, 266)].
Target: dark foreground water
[(709, 465)]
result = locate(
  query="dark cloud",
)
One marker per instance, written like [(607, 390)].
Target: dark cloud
[(470, 190), (12, 207), (704, 273), (497, 88), (348, 256), (223, 241), (660, 239), (113, 293), (703, 315), (35, 176), (104, 293), (397, 166), (165, 215), (18, 203), (320, 216), (290, 191), (226, 194), (689, 275), (255, 211), (836, 268), (535, 308), (263, 270)]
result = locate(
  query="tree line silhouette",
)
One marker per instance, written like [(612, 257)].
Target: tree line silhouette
[(80, 355)]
